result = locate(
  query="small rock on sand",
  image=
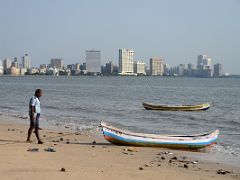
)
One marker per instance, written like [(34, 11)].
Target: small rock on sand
[(63, 169), (140, 168)]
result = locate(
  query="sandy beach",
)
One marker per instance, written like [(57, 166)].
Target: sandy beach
[(77, 156)]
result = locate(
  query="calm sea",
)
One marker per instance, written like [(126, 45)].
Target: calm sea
[(83, 102)]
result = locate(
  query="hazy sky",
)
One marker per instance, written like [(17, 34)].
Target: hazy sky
[(175, 30)]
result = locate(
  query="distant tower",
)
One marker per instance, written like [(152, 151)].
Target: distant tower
[(204, 64), (218, 70), (57, 63), (126, 61), (1, 68), (26, 61), (93, 61), (156, 67)]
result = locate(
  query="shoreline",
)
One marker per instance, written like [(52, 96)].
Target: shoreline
[(77, 153), (203, 154)]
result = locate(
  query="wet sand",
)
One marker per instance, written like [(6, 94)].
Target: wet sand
[(86, 155)]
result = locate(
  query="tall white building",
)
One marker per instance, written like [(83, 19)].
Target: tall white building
[(26, 61), (93, 61), (1, 68), (139, 68), (126, 61), (156, 67)]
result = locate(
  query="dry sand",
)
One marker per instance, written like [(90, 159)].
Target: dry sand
[(82, 159)]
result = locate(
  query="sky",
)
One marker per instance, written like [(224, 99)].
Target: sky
[(175, 30)]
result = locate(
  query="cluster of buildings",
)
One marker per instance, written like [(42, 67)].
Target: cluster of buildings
[(14, 68), (126, 66)]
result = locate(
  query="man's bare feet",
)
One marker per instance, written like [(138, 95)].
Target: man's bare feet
[(40, 142)]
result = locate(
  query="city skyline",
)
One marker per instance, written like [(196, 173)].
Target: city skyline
[(204, 68), (175, 31)]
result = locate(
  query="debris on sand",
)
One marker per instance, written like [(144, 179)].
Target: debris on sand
[(33, 149), (140, 168), (131, 149), (185, 166), (223, 172), (94, 142), (194, 162), (49, 149)]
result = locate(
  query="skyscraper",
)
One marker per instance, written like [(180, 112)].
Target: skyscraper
[(156, 67), (93, 61), (126, 61), (26, 61), (204, 66), (7, 64), (1, 68), (57, 63), (218, 70)]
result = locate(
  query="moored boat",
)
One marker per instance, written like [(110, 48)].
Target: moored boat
[(122, 137), (163, 107)]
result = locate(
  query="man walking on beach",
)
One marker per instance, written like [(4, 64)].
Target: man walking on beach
[(34, 114)]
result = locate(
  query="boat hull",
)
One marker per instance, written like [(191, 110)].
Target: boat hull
[(118, 137), (200, 107)]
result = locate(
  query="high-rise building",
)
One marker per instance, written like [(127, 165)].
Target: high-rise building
[(7, 64), (218, 70), (93, 61), (1, 68), (109, 68), (156, 67), (26, 61), (57, 63), (15, 63), (126, 61), (204, 66), (139, 68), (200, 59)]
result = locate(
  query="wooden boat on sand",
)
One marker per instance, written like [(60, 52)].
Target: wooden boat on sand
[(162, 107), (122, 137)]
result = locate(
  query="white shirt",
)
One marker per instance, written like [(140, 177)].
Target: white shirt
[(34, 101)]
